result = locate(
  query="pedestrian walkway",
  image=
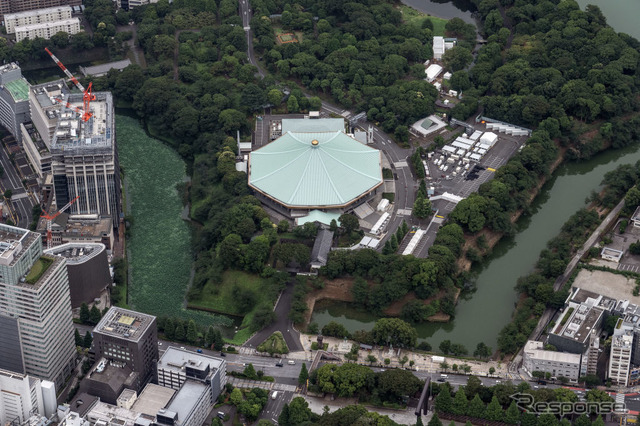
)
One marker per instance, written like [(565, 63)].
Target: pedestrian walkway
[(250, 384)]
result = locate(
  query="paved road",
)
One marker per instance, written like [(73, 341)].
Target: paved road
[(246, 14), (21, 202), (282, 324)]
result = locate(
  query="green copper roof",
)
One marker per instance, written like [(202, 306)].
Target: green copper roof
[(19, 89), (312, 125), (320, 169), (318, 216)]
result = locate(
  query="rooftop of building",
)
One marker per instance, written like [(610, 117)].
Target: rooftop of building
[(126, 395), (77, 253), (318, 216), (76, 226), (73, 135), (13, 241), (175, 359), (37, 12), (623, 340), (536, 350), (112, 414), (82, 403), (124, 324), (322, 246), (152, 399), (112, 373), (31, 27), (19, 89), (104, 68), (312, 125), (578, 322), (581, 296), (184, 401), (305, 170), (45, 94), (11, 66)]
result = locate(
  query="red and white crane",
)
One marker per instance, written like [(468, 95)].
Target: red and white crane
[(51, 217), (87, 94)]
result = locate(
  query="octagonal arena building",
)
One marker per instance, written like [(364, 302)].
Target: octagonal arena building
[(320, 170)]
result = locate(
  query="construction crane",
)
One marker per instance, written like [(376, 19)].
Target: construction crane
[(87, 94), (50, 217)]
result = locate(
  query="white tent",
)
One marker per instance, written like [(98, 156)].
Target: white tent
[(432, 72), (489, 138)]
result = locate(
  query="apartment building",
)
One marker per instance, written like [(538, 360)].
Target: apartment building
[(38, 16), (620, 360), (17, 6), (46, 30), (36, 307)]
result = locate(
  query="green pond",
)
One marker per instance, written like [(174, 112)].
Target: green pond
[(159, 246)]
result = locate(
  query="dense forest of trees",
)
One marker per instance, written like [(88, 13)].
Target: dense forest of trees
[(548, 66)]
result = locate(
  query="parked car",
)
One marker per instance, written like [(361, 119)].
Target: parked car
[(222, 354), (279, 364), (199, 351)]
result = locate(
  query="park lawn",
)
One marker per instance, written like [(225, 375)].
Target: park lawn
[(410, 15), (219, 296)]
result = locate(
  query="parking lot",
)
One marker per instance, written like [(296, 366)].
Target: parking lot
[(465, 176)]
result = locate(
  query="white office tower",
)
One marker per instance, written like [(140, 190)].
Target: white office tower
[(24, 396), (35, 308)]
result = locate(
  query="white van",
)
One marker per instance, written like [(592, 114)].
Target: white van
[(291, 362), (274, 395)]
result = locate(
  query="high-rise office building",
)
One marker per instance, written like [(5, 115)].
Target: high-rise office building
[(85, 159), (14, 99), (16, 6), (24, 396), (34, 297), (128, 337)]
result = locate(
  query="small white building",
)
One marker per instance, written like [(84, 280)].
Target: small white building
[(611, 254), (536, 358), (438, 47), (437, 85), (432, 72), (446, 76), (489, 138), (453, 93)]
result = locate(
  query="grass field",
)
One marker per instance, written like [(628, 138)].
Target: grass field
[(274, 344), (410, 15), (219, 296), (39, 267)]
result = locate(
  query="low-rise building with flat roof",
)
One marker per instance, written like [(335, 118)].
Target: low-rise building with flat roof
[(152, 399), (198, 379), (611, 254), (108, 379), (536, 358), (103, 69), (583, 314)]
